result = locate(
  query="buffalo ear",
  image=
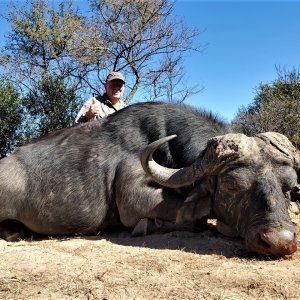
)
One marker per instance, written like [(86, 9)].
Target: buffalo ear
[(297, 168), (295, 200), (196, 206), (284, 145), (281, 143), (297, 164)]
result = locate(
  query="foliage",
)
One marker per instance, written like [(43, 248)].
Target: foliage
[(139, 38), (276, 107), (10, 116), (54, 53), (51, 105), (146, 43), (38, 43)]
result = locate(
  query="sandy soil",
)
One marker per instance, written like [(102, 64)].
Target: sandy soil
[(177, 265)]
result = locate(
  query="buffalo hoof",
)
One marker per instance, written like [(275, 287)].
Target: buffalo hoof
[(295, 207), (147, 226), (13, 231), (141, 228)]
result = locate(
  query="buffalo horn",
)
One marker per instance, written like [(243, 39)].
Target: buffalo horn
[(213, 157), (165, 176)]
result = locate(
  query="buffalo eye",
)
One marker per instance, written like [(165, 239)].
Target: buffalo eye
[(228, 182), (235, 183), (239, 179)]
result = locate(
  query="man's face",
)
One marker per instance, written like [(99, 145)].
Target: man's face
[(115, 90)]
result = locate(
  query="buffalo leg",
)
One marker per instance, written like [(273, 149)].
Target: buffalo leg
[(138, 198), (146, 226)]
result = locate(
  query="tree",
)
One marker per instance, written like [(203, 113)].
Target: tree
[(139, 38), (50, 105), (169, 85), (276, 107), (10, 116), (53, 54), (36, 59), (143, 40), (39, 43)]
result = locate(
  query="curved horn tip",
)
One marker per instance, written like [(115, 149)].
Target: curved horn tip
[(149, 150), (162, 141), (171, 137)]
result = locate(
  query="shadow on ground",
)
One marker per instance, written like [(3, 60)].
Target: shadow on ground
[(208, 241)]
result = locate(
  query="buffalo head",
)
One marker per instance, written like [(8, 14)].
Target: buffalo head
[(244, 183)]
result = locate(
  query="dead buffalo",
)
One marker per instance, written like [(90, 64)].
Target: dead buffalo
[(243, 182), (89, 178)]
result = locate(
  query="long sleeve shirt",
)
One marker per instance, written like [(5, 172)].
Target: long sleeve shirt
[(106, 108)]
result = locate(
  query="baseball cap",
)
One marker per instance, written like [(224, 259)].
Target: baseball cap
[(115, 75)]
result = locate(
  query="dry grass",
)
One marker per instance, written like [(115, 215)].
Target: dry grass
[(170, 266)]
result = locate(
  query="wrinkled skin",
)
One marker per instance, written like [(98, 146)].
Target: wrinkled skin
[(249, 193), (253, 201), (88, 179)]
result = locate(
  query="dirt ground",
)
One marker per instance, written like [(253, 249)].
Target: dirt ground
[(177, 265)]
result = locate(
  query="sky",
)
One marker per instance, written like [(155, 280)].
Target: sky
[(242, 43)]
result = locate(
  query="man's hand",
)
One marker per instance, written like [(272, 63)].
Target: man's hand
[(94, 110)]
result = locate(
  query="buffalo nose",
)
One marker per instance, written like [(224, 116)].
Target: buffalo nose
[(280, 242)]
